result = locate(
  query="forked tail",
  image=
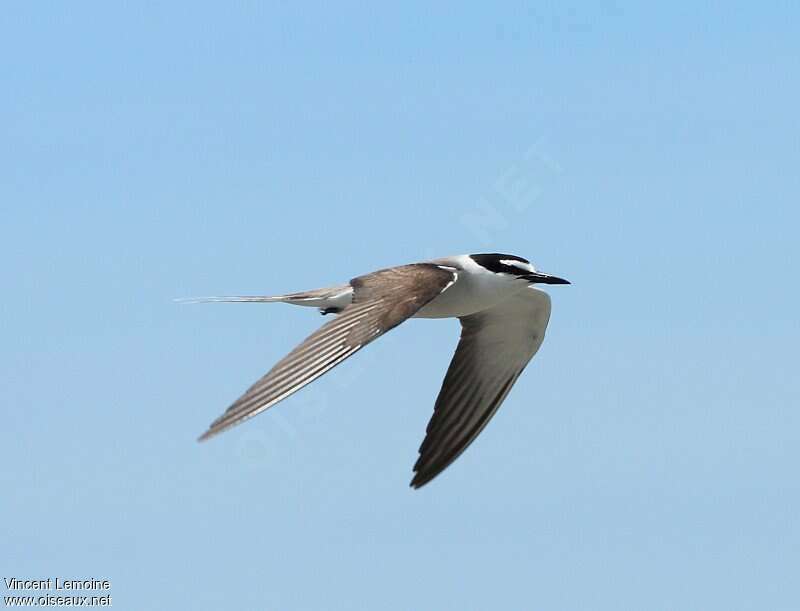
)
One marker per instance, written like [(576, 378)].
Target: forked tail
[(331, 298)]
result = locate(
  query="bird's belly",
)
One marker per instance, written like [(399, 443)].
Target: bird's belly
[(469, 295)]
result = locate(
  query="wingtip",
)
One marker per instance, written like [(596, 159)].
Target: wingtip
[(418, 481), (206, 436), (421, 475), (219, 425)]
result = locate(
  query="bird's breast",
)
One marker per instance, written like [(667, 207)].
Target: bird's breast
[(471, 293)]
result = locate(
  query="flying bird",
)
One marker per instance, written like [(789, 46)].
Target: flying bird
[(503, 321)]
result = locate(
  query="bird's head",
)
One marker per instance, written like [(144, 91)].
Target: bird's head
[(515, 266)]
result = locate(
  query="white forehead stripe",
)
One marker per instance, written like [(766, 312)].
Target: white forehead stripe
[(514, 263)]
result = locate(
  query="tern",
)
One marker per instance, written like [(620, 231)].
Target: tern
[(503, 322)]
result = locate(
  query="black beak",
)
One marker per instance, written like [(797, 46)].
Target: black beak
[(540, 278)]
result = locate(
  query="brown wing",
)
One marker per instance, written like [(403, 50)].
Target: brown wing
[(381, 301), (495, 347)]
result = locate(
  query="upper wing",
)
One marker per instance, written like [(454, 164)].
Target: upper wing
[(381, 301), (495, 346)]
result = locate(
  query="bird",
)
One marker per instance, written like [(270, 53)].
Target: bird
[(503, 321)]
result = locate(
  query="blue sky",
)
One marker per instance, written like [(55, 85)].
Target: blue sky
[(648, 457)]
